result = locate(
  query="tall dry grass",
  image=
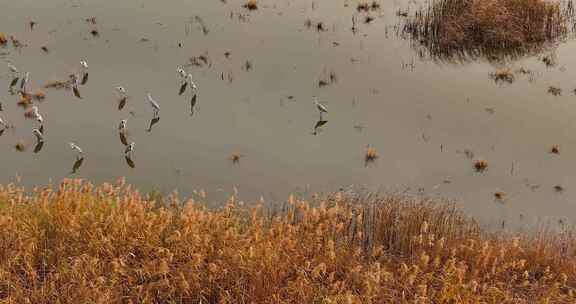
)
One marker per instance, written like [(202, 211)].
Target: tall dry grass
[(77, 243), (491, 29)]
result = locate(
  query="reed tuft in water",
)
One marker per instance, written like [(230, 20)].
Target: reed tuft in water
[(461, 30)]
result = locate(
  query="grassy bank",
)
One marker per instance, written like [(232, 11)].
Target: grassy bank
[(76, 243)]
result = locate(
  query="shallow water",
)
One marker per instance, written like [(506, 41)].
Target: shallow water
[(419, 115)]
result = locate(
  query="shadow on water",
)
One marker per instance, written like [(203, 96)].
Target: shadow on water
[(193, 101), (318, 125), (183, 88), (153, 121), (39, 146), (122, 103), (76, 92), (13, 82), (123, 138), (85, 79), (77, 164), (130, 162)]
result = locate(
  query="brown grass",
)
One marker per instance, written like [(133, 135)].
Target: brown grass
[(77, 243), (489, 29)]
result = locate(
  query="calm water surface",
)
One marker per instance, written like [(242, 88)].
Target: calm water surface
[(419, 115)]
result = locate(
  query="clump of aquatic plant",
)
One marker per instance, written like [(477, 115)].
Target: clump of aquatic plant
[(504, 75), (480, 165), (251, 5), (20, 146), (79, 243), (461, 30), (554, 91), (370, 155), (3, 40)]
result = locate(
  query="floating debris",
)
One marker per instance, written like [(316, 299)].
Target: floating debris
[(91, 20), (32, 24), (555, 149), (3, 40), (45, 49), (368, 19), (499, 195), (95, 33), (480, 165), (558, 188)]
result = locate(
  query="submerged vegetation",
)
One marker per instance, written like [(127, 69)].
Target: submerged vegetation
[(463, 30), (77, 243)]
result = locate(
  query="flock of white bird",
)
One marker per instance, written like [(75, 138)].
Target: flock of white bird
[(186, 80)]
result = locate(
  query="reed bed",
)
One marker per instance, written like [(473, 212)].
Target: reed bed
[(463, 30), (80, 243)]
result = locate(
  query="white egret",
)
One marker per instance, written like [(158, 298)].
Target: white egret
[(123, 125), (192, 84), (153, 103), (75, 147), (12, 68), (321, 108)]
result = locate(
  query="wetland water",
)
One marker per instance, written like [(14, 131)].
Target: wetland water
[(419, 115)]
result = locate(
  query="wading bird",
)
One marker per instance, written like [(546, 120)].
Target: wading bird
[(12, 68), (24, 82), (192, 84), (121, 90), (123, 124), (321, 108), (181, 72), (78, 150), (153, 103)]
